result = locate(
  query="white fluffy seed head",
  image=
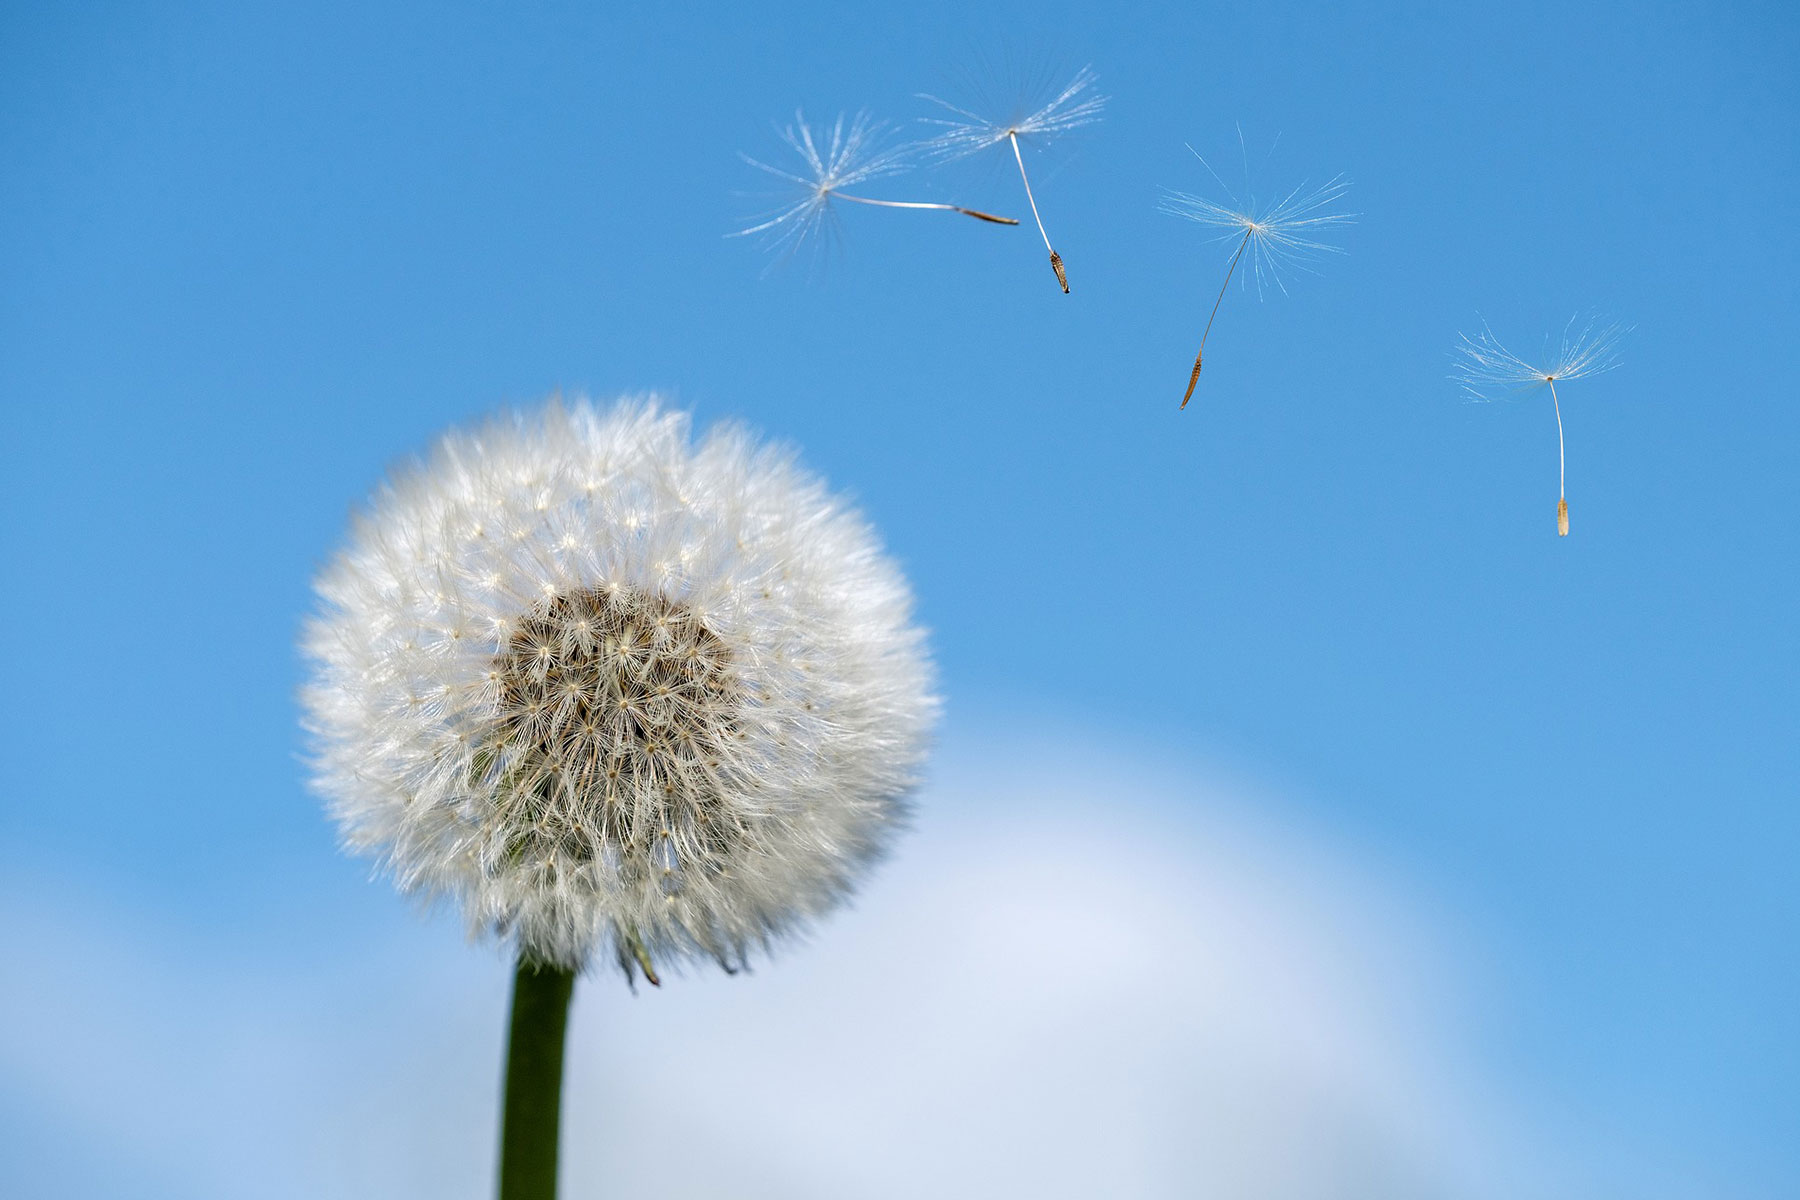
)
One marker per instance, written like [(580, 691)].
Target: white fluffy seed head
[(1281, 235), (847, 155), (1485, 368), (610, 689), (1039, 120)]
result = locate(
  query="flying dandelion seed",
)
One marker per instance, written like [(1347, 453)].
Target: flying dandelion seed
[(1279, 236), (970, 133), (1485, 367), (849, 156)]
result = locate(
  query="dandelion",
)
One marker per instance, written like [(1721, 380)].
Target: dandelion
[(1485, 366), (1279, 236), (848, 157), (613, 692), (970, 133)]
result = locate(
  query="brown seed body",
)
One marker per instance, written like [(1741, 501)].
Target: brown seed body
[(1193, 380)]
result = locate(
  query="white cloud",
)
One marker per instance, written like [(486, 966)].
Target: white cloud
[(1078, 979)]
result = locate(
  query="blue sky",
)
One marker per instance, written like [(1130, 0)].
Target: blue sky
[(252, 258)]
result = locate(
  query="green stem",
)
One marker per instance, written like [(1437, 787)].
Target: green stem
[(534, 1062)]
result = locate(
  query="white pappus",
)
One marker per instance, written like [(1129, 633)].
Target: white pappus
[(846, 156)]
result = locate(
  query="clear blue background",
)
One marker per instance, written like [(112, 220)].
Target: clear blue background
[(250, 256)]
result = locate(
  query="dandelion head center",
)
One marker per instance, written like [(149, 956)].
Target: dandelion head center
[(616, 712)]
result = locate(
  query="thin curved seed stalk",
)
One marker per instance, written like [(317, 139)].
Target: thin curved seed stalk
[(1194, 379), (1562, 474), (1056, 263), (967, 212)]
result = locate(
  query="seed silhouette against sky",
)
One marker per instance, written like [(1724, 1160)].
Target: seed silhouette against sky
[(1278, 235), (1486, 367), (970, 133)]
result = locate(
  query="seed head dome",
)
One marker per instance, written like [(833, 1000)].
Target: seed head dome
[(610, 689)]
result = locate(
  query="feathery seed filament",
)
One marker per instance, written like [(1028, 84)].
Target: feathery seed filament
[(580, 715)]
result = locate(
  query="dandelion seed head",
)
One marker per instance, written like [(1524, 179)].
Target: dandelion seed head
[(966, 132), (1486, 368), (607, 688), (1279, 236), (849, 154)]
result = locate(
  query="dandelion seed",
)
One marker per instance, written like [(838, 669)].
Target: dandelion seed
[(970, 133), (847, 157), (1485, 367), (1279, 236)]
